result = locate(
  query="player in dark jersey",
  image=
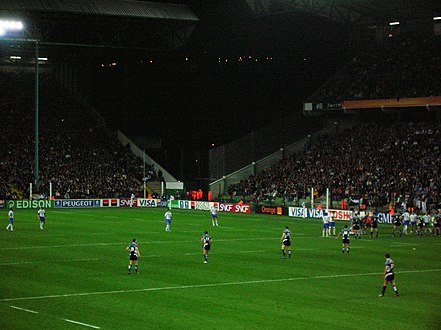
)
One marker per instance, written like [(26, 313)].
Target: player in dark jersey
[(286, 242), (206, 245), (356, 227), (134, 255), (389, 276), (345, 232), (374, 226), (397, 224)]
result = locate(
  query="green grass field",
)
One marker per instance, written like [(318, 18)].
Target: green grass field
[(73, 274)]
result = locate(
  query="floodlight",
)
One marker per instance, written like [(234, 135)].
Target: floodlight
[(10, 25), (437, 18), (394, 23), (42, 58), (15, 57)]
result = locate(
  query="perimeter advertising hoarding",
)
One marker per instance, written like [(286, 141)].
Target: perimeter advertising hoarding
[(146, 202), (128, 202), (318, 214), (110, 202), (2, 203), (30, 204), (234, 208), (273, 210), (77, 203)]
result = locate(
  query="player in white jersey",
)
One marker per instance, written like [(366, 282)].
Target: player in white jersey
[(214, 216), (406, 222), (10, 226), (413, 221), (41, 213), (426, 219), (331, 223), (168, 220), (325, 219)]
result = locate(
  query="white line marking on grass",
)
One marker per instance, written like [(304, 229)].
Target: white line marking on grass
[(399, 243), (125, 243), (80, 323), (42, 262), (24, 309), (210, 285)]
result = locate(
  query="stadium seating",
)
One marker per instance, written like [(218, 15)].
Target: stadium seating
[(379, 163), (79, 157)]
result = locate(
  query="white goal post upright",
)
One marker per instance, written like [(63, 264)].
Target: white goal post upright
[(312, 198), (327, 198)]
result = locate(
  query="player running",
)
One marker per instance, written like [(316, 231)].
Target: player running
[(133, 256), (389, 276), (206, 242), (10, 226), (41, 213), (214, 216), (345, 232), (286, 242)]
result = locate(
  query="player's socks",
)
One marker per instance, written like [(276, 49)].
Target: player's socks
[(129, 268), (283, 253), (217, 224), (289, 253), (395, 290), (347, 250), (136, 269), (206, 257), (343, 250), (383, 290)]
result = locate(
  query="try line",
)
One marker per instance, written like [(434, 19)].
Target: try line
[(210, 285)]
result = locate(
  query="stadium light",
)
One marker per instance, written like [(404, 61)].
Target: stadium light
[(42, 58), (437, 18), (14, 57), (10, 25), (394, 23)]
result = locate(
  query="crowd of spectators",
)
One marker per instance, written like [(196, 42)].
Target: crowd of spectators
[(380, 164), (403, 66), (80, 158)]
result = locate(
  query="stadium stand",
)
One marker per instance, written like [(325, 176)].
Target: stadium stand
[(403, 66), (80, 158), (378, 163)]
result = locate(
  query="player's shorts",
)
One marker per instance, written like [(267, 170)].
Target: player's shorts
[(398, 224), (346, 241), (375, 225), (42, 219), (167, 220), (133, 257), (406, 223), (332, 225), (356, 227), (286, 243), (326, 225), (368, 225), (213, 215), (206, 247), (389, 277), (11, 220)]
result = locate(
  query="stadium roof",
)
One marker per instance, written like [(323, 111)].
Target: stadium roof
[(103, 8), (104, 23), (352, 11)]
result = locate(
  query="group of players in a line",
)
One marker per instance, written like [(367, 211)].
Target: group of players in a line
[(406, 223)]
